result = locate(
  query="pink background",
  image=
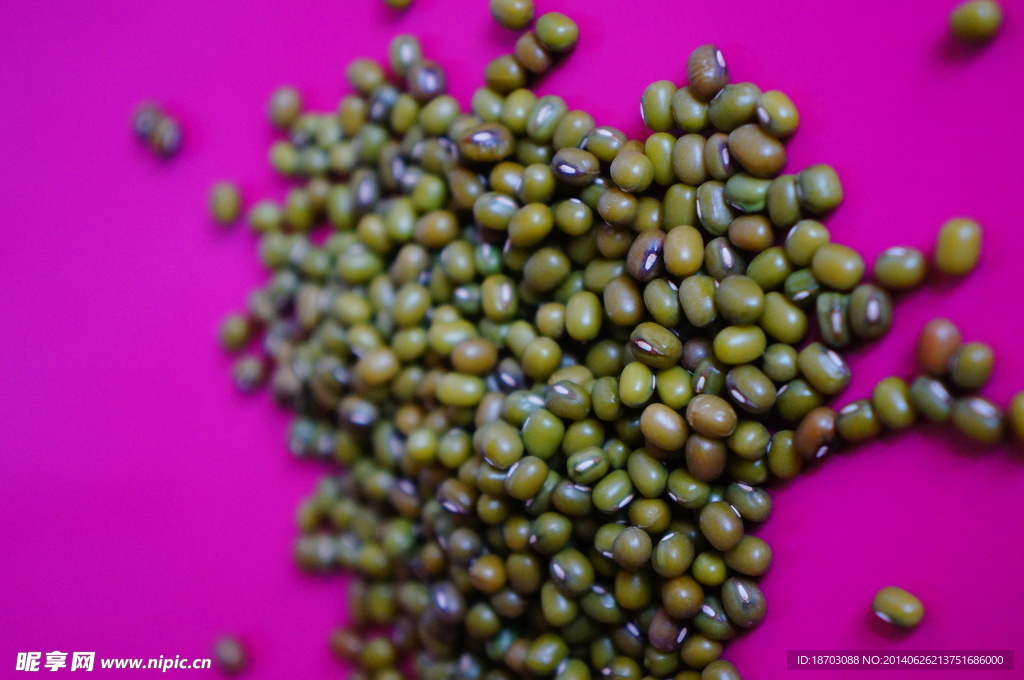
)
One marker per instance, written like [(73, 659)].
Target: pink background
[(147, 507)]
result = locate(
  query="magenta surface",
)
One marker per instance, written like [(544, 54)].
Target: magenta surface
[(147, 507)]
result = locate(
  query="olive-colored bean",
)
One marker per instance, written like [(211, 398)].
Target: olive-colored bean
[(557, 32), (804, 240), (975, 22), (783, 201), (658, 149), (740, 299), (870, 312), (664, 427), (721, 259), (900, 268), (750, 389), (858, 422), (971, 366), (779, 362), (979, 419), (739, 344), (512, 14), (783, 320), (689, 113), (697, 298), (632, 171), (735, 105), (614, 492), (679, 206), (572, 129), (834, 319), (688, 159), (819, 189), (717, 159), (898, 607), (705, 457), (751, 232), (931, 399), (720, 670), (770, 268), (801, 287), (661, 297), (683, 251), (567, 400), (655, 346), (632, 548), (761, 154), (698, 652), (753, 504), (656, 105), (711, 416), (636, 384), (686, 490), (713, 210), (777, 114), (783, 459), (824, 369), (743, 602), (891, 401), (751, 556), (712, 620), (682, 597)]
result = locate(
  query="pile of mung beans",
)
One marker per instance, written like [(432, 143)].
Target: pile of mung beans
[(557, 368)]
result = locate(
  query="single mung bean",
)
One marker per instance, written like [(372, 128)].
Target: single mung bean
[(769, 268), (900, 268), (689, 113), (284, 107), (970, 367), (656, 105), (976, 21), (783, 201), (777, 114), (739, 344), (751, 556), (779, 362), (858, 422), (819, 189), (711, 416), (979, 419), (557, 32), (664, 427), (898, 607), (734, 106), (891, 401), (870, 312), (750, 389), (743, 601), (931, 399), (958, 247), (837, 266), (761, 154), (512, 14), (824, 369), (632, 171), (834, 319)]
